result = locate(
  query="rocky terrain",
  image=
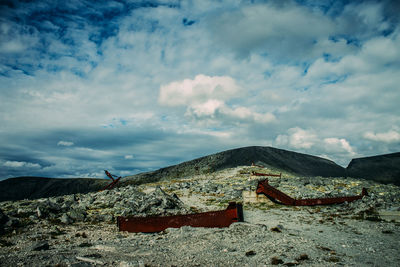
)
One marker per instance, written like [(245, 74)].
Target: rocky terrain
[(80, 229)]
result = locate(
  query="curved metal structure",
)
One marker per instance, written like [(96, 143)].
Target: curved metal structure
[(279, 197)]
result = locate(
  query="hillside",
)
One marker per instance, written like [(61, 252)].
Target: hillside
[(39, 187), (279, 159), (382, 168)]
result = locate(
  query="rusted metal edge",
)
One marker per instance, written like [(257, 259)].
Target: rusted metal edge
[(114, 181), (266, 174), (279, 197), (223, 218), (255, 165)]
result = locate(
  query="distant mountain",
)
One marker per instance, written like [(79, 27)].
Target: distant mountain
[(39, 187), (382, 168), (289, 161)]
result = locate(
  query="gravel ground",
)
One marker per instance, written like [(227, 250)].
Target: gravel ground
[(80, 230)]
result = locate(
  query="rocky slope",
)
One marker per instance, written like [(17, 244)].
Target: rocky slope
[(292, 162), (80, 229), (382, 168)]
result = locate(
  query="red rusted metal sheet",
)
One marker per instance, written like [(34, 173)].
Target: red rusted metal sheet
[(280, 197), (266, 174), (223, 218), (274, 194)]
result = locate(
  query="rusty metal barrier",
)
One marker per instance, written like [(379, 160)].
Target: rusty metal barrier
[(114, 181), (223, 218), (279, 197)]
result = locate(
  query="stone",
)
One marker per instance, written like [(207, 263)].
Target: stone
[(3, 220), (302, 257), (40, 212), (66, 219), (24, 212), (42, 245), (12, 222), (77, 214), (250, 253), (276, 229), (276, 261), (85, 245)]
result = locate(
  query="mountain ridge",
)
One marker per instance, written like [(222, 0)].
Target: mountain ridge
[(381, 168), (285, 160)]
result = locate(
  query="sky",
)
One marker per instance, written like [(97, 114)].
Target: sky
[(133, 86)]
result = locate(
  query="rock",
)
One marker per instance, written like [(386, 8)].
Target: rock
[(42, 245), (53, 206), (276, 261), (332, 259), (250, 253), (12, 222), (277, 228), (77, 214), (302, 257), (40, 212), (5, 243), (85, 245), (24, 212), (3, 220), (66, 219)]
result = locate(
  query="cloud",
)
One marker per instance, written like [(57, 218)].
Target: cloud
[(309, 140), (261, 27), (65, 143), (339, 145), (21, 164), (199, 90), (388, 137), (297, 138), (205, 99)]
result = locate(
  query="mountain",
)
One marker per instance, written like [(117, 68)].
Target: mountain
[(382, 168), (39, 187), (279, 159)]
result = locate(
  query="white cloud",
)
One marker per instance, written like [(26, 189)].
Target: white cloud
[(297, 138), (21, 164), (388, 137), (198, 91), (206, 109), (204, 98), (338, 145), (310, 140), (65, 143), (128, 157)]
